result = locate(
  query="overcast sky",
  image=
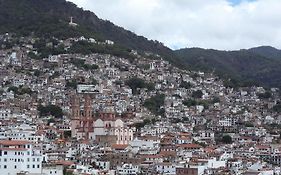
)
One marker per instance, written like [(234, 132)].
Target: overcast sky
[(217, 24)]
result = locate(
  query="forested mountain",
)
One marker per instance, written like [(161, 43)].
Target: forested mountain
[(267, 51), (48, 18), (254, 65)]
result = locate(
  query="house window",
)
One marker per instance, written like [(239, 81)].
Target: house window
[(5, 153), (5, 166)]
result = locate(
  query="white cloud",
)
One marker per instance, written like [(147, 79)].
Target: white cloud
[(195, 23)]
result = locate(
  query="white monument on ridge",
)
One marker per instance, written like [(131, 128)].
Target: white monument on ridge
[(71, 23)]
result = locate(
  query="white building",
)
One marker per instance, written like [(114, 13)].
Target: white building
[(166, 168), (5, 114), (19, 156), (153, 130), (148, 147), (128, 169), (109, 42), (18, 82), (52, 170), (227, 121), (82, 88), (20, 134)]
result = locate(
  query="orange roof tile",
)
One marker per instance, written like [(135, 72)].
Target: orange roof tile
[(191, 145), (13, 149), (14, 142), (119, 146), (64, 162)]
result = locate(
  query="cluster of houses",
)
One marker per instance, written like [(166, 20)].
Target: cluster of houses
[(105, 128)]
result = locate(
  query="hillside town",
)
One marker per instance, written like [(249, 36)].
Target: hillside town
[(102, 114)]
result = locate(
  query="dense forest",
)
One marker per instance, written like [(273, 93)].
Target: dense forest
[(244, 67)]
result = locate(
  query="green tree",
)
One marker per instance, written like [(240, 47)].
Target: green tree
[(71, 84), (189, 102), (37, 73), (52, 110), (226, 139), (277, 107), (138, 83), (14, 89), (154, 104), (265, 95), (216, 100), (94, 81), (20, 90), (197, 94), (186, 85), (231, 83)]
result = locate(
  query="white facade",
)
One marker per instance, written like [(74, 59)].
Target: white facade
[(225, 122), (153, 130), (15, 134), (18, 82), (5, 114), (214, 164), (52, 170), (82, 88), (166, 168), (19, 156), (144, 147), (128, 169)]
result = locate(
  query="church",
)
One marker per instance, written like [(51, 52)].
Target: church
[(101, 127)]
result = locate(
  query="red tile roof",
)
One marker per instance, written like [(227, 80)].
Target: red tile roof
[(119, 146), (14, 142), (191, 145)]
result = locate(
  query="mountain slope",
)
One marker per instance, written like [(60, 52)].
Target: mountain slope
[(243, 65), (267, 51), (47, 18)]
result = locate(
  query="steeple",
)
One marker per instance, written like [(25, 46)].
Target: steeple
[(88, 106), (75, 106)]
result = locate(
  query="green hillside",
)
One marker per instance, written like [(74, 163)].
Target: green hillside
[(243, 65), (48, 18)]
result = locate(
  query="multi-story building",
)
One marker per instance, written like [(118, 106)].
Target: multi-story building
[(21, 134), (18, 156), (128, 169)]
